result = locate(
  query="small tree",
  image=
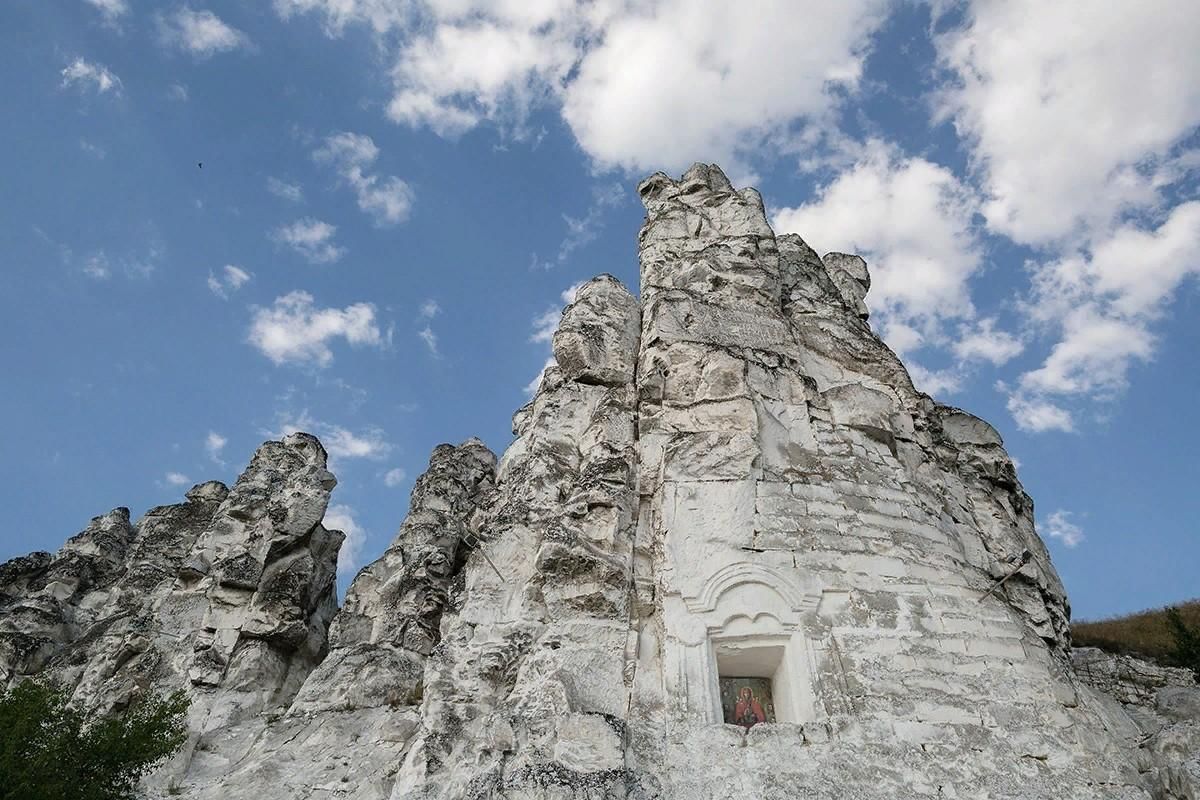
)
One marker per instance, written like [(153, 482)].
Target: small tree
[(50, 750), (1186, 652)]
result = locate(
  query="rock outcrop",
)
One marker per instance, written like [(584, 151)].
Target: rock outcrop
[(729, 483)]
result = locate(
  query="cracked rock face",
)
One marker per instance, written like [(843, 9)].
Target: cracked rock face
[(729, 479)]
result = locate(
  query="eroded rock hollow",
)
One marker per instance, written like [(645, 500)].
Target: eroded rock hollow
[(731, 552)]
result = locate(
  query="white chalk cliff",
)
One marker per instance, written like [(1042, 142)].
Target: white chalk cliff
[(731, 477)]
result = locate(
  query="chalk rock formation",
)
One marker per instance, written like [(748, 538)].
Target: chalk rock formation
[(729, 486)]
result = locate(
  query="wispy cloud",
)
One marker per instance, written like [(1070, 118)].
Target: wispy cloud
[(294, 330), (110, 9), (99, 265), (430, 339), (429, 309), (394, 477), (386, 198), (85, 74), (340, 442), (1059, 527), (214, 445), (291, 192), (229, 281), (312, 239), (544, 326), (200, 33)]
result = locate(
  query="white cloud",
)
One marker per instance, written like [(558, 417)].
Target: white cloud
[(394, 477), (585, 229), (532, 387), (935, 382), (177, 92), (230, 280), (200, 33), (312, 239), (983, 342), (546, 323), (97, 267), (1059, 526), (1093, 356), (430, 339), (294, 330), (176, 479), (382, 15), (92, 149), (1103, 306), (1038, 415), (641, 85), (341, 517), (911, 220), (340, 443), (387, 199), (544, 326), (285, 191), (110, 9), (429, 309), (1072, 108), (84, 73), (214, 443)]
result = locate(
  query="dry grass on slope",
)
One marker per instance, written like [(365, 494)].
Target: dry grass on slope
[(1144, 633)]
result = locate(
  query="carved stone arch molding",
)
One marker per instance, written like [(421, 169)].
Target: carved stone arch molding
[(748, 619)]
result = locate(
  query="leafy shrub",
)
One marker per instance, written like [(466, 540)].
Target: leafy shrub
[(50, 750), (1186, 652)]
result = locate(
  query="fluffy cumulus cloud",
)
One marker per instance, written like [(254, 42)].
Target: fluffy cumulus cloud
[(199, 33), (1080, 144), (294, 330), (640, 85), (387, 199), (85, 74), (1102, 307), (228, 281), (176, 479), (1060, 528), (912, 220), (312, 239), (341, 517), (1074, 109)]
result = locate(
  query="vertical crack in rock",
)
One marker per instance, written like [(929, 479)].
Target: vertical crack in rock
[(733, 479)]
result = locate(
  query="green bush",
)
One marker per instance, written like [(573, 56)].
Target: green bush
[(1186, 651), (50, 750)]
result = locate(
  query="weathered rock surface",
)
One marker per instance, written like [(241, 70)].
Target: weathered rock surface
[(732, 477)]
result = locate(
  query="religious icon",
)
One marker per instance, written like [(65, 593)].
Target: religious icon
[(747, 701)]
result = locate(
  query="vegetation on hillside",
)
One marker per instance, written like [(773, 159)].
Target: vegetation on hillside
[(50, 750), (1168, 636)]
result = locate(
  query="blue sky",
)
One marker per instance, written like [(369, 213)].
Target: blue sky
[(397, 195)]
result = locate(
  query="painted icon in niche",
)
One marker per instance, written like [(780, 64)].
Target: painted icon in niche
[(747, 701)]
